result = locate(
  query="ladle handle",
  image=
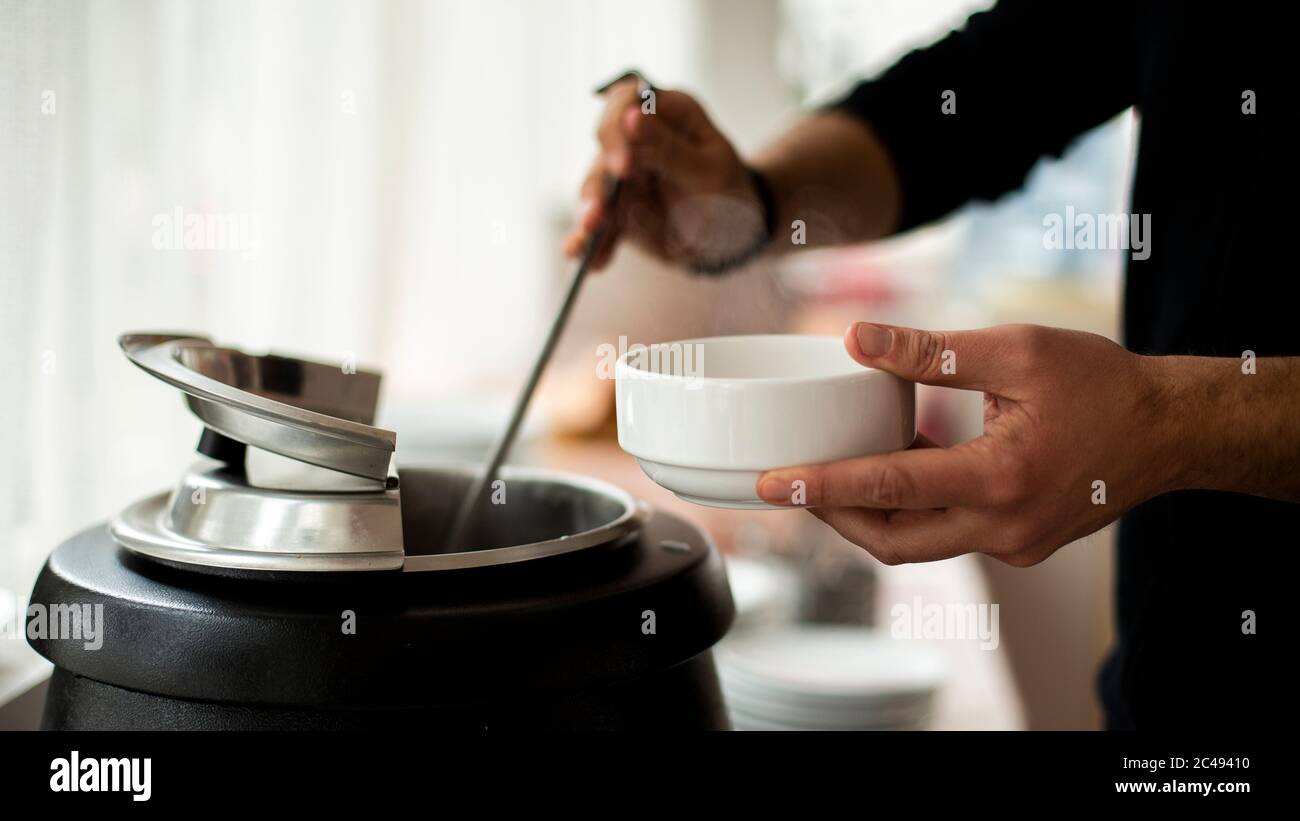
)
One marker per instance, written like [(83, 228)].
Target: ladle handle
[(482, 483)]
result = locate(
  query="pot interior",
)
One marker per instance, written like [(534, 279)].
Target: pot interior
[(532, 508)]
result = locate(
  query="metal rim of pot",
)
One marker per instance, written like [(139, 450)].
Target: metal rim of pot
[(140, 528)]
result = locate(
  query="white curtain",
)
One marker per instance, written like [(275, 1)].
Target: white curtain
[(392, 179)]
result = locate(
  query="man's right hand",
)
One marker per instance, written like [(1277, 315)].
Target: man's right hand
[(687, 196)]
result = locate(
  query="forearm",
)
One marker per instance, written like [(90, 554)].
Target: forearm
[(1231, 430), (831, 173)]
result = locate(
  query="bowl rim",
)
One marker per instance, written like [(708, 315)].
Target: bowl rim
[(864, 374)]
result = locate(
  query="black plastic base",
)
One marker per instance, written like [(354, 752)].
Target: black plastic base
[(612, 637), (685, 697)]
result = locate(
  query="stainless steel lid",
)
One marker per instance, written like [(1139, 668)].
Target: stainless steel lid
[(316, 413)]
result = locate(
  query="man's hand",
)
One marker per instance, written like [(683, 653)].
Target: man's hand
[(1077, 430), (687, 197)]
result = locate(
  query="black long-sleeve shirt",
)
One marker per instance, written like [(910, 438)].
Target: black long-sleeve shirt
[(1031, 75)]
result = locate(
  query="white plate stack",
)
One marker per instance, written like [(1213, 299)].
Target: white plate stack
[(824, 677)]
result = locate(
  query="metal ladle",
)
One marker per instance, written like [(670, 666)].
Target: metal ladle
[(482, 483)]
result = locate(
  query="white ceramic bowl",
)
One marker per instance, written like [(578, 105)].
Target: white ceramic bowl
[(705, 417)]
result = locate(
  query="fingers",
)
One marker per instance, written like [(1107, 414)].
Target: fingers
[(645, 144), (675, 109), (591, 211), (620, 98), (614, 160), (904, 536), (635, 216), (988, 359), (683, 114), (633, 140), (918, 479), (617, 133), (655, 147)]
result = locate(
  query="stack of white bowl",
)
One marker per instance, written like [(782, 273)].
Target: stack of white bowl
[(825, 677)]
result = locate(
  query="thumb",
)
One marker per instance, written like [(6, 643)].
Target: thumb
[(980, 360)]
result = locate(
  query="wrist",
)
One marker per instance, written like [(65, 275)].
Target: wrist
[(1190, 401), (758, 226), (1162, 394)]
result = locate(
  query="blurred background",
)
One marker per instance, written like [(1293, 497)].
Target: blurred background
[(396, 177)]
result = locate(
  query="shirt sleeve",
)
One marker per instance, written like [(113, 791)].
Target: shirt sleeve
[(968, 117)]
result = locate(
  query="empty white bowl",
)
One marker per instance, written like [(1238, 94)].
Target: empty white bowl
[(706, 417)]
